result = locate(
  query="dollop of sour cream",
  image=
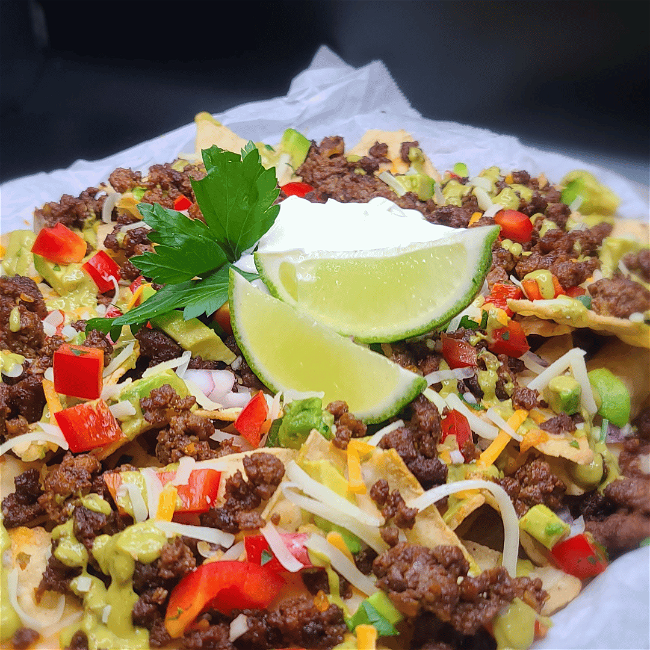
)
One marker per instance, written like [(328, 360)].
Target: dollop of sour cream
[(335, 226)]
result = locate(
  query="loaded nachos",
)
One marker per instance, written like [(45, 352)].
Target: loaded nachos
[(164, 486)]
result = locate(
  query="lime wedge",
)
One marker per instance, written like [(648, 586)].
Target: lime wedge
[(383, 295), (289, 350)]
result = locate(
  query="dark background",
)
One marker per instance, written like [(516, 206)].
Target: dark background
[(87, 79)]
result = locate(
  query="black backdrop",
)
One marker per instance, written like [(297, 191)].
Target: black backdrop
[(87, 79)]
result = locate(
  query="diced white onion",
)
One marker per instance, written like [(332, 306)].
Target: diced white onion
[(25, 618), (376, 438), (492, 210), (109, 204), (55, 318), (502, 424), (68, 332), (83, 583), (238, 626), (119, 359), (279, 548), (185, 467), (507, 510), (49, 329), (106, 612), (212, 535), (456, 457), (438, 195), (202, 378), (222, 436), (369, 534), (533, 362), (443, 375), (468, 397), (15, 371), (122, 410), (237, 362), (482, 198), (154, 489), (391, 181), (435, 398), (480, 427), (636, 317), (577, 527), (34, 436), (234, 552), (236, 400), (482, 182), (223, 381), (140, 511), (342, 564), (134, 225), (49, 374), (200, 397)]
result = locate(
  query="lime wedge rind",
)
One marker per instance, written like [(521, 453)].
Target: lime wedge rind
[(287, 349), (452, 276)]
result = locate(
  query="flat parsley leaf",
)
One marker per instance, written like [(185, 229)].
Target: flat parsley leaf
[(192, 258)]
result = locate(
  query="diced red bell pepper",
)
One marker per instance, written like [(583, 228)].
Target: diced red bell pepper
[(224, 586), (78, 371), (222, 318), (133, 287), (514, 225), (198, 495), (252, 421), (456, 424), (182, 203), (580, 556), (531, 287), (297, 189), (574, 292), (457, 353), (509, 340), (501, 293), (295, 542), (88, 425), (102, 268), (59, 245), (113, 312)]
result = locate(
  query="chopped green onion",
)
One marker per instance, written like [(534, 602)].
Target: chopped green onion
[(603, 429)]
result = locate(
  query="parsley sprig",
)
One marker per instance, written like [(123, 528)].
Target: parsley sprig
[(192, 258)]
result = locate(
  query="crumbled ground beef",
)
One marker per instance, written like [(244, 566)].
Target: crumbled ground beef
[(57, 576), (71, 211), (23, 638), (416, 443), (243, 497), (88, 524), (364, 559), (618, 296), (562, 423), (73, 477), (21, 403), (629, 460), (95, 339), (21, 293), (347, 425), (163, 404), (79, 641), (157, 346), (525, 398), (418, 578), (188, 434), (642, 424), (531, 484), (21, 507), (450, 215), (639, 263), (430, 633), (392, 505)]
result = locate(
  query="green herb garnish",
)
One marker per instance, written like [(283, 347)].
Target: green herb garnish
[(192, 258)]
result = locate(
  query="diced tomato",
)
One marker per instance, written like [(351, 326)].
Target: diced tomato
[(297, 189), (113, 312), (224, 586), (252, 421), (59, 245), (182, 203), (102, 268), (574, 292), (78, 371), (295, 542), (133, 287), (222, 318), (514, 225), (198, 495), (456, 424), (457, 353), (509, 340), (88, 425), (501, 293), (580, 556)]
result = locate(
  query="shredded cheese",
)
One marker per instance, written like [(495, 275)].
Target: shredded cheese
[(167, 503), (34, 436), (336, 540), (212, 535), (279, 548), (488, 457), (366, 637), (52, 399)]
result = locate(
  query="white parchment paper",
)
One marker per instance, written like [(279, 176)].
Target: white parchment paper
[(333, 98)]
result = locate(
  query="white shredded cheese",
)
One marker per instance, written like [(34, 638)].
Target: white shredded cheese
[(34, 436), (185, 467), (456, 457), (154, 489), (482, 428), (122, 410), (113, 390), (492, 210), (435, 398), (25, 618), (555, 369), (579, 371), (109, 204), (234, 552), (183, 366), (163, 365), (119, 359), (212, 535), (140, 511), (133, 226), (443, 375), (279, 548), (106, 612), (390, 180), (502, 424)]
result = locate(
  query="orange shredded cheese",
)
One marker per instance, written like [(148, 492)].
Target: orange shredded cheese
[(355, 450), (321, 602), (336, 540), (3, 251), (488, 457), (167, 503), (137, 295), (508, 179), (537, 416), (52, 399), (474, 218), (366, 637), (533, 438)]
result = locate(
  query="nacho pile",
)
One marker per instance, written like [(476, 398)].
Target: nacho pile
[(156, 494)]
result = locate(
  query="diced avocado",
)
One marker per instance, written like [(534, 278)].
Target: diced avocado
[(460, 169), (590, 475), (507, 198), (74, 287), (453, 191), (595, 197), (18, 258), (194, 336), (611, 395), (515, 627), (300, 417), (296, 145), (563, 394), (544, 525), (367, 614), (419, 184), (380, 601), (611, 252)]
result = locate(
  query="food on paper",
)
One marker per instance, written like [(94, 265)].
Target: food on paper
[(188, 461)]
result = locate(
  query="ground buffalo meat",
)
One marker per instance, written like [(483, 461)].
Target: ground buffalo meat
[(524, 398), (124, 180), (148, 612), (416, 443), (619, 297), (22, 294), (242, 497), (21, 507), (95, 339), (57, 576), (188, 434), (20, 404), (88, 524), (245, 376), (347, 425), (503, 262), (23, 638), (71, 211), (364, 559), (629, 460), (157, 346), (642, 423), (562, 423), (418, 578), (392, 505), (79, 641), (533, 483), (163, 404), (639, 263), (73, 477), (450, 215)]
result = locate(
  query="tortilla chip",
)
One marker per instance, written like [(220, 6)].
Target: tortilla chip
[(565, 445), (547, 329), (210, 132), (457, 514), (394, 141), (575, 314)]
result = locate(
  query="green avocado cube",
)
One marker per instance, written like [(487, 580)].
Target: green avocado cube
[(544, 525), (563, 394), (296, 145), (612, 396)]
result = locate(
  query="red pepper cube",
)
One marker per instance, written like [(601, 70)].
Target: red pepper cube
[(514, 225), (580, 556), (78, 371), (200, 492), (250, 422), (456, 424), (88, 425), (182, 203), (59, 245), (103, 270), (458, 353), (297, 189), (510, 340)]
